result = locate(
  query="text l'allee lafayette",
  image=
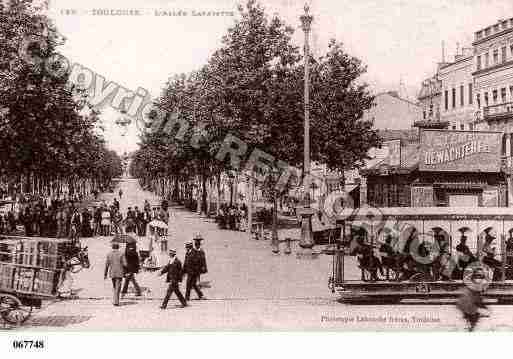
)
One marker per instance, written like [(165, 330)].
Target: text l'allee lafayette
[(180, 13)]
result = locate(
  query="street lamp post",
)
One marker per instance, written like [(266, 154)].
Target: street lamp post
[(306, 242)]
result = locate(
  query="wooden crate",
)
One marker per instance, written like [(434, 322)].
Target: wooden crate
[(31, 265)]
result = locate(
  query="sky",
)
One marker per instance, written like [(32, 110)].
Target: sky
[(400, 41)]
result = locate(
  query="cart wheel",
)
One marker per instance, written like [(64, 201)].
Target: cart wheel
[(12, 310)]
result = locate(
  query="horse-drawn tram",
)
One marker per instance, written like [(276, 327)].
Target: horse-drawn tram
[(391, 254)]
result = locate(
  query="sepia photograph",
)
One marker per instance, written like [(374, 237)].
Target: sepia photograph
[(255, 165)]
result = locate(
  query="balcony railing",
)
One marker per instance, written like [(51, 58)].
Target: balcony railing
[(498, 111)]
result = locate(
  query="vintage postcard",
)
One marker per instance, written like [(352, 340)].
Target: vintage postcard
[(255, 165)]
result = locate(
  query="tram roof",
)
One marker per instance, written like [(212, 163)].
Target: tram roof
[(426, 213)]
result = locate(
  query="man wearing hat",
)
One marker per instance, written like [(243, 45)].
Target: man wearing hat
[(115, 267), (488, 251), (197, 247), (174, 277), (192, 267), (462, 246)]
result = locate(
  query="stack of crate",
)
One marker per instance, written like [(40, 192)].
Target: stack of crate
[(31, 265)]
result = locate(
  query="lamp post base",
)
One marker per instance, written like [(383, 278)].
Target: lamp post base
[(307, 253), (306, 242)]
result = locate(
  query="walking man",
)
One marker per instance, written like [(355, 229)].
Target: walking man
[(114, 267), (174, 276), (133, 266), (471, 302), (201, 253), (192, 267)]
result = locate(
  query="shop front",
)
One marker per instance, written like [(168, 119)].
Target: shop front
[(449, 169)]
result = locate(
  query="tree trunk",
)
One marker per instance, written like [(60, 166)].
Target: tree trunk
[(232, 183), (218, 197), (204, 194), (251, 184), (275, 240)]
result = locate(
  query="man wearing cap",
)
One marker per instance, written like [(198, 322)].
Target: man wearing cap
[(174, 277), (192, 267), (115, 268)]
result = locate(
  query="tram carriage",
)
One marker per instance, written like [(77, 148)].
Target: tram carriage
[(428, 227)]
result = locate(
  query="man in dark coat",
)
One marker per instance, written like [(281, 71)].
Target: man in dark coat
[(139, 219), (27, 221), (132, 268), (116, 204), (192, 266), (201, 253), (97, 220), (130, 220), (462, 246), (174, 276), (164, 205)]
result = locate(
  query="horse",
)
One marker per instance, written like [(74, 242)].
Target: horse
[(77, 258), (367, 261)]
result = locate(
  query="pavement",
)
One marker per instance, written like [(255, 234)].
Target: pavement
[(250, 289), (239, 267)]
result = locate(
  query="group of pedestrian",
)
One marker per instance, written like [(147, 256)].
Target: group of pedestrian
[(137, 220), (49, 218), (233, 217), (123, 267), (108, 220)]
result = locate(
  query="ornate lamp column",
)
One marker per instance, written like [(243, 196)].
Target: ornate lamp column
[(306, 242)]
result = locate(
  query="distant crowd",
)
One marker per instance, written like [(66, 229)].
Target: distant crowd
[(67, 218)]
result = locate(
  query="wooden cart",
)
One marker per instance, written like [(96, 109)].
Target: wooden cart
[(31, 269)]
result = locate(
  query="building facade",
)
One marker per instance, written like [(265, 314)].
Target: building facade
[(445, 168), (393, 112), (430, 99), (493, 76), (475, 90), (457, 97)]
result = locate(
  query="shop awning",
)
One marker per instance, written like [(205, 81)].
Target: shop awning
[(348, 188), (459, 185)]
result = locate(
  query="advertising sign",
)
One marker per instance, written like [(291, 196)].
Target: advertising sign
[(490, 198), (460, 151), (422, 196)]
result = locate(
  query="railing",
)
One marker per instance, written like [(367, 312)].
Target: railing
[(432, 121), (503, 109)]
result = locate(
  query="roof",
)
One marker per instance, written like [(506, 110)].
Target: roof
[(409, 160), (410, 155), (410, 135), (427, 213), (395, 94)]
